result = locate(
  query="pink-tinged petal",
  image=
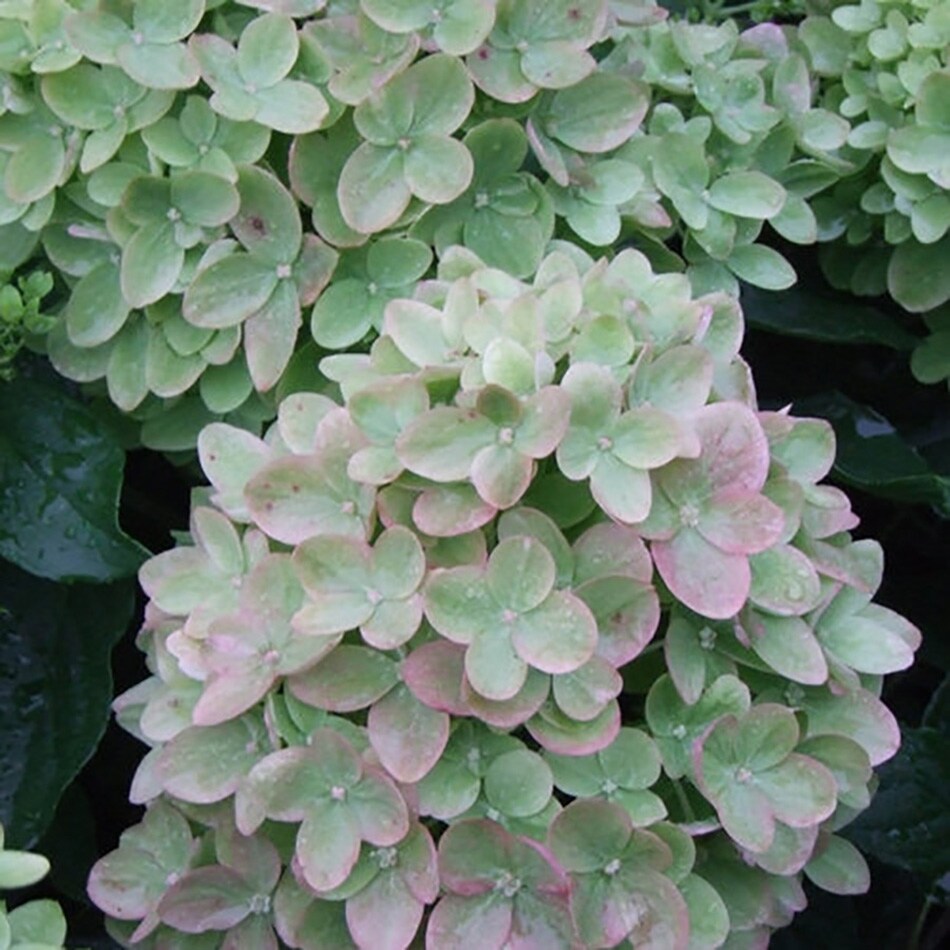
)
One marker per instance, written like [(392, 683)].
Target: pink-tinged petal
[(492, 666), (471, 852), (335, 571), (434, 673), (328, 844), (735, 455), (577, 454), (252, 856), (558, 636), (208, 898), (873, 640), (419, 864), (293, 499), (645, 437), (790, 851), (227, 695), (704, 578), (508, 713), (129, 881), (664, 519), (469, 923), (384, 915), (380, 809), (563, 736), (860, 716), (611, 549), (282, 784), (205, 764), (177, 580), (588, 833), (449, 510), (442, 443), (838, 867), (740, 523), (734, 447), (801, 791), (303, 920), (408, 737), (270, 335), (804, 447), (542, 922), (789, 646), (458, 604), (303, 652), (501, 474), (747, 816), (627, 614), (827, 511), (521, 573), (624, 493), (545, 420), (399, 563), (349, 678), (253, 933), (393, 623), (230, 457), (584, 693)]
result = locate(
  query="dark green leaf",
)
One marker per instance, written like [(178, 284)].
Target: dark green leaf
[(799, 311), (873, 456), (908, 823), (59, 488), (55, 689)]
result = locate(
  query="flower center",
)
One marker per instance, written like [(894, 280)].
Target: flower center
[(508, 884), (260, 904), (689, 516), (385, 857)]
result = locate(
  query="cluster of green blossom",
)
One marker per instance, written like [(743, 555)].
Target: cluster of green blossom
[(884, 65), (37, 924), (388, 668), (521, 625), (158, 153)]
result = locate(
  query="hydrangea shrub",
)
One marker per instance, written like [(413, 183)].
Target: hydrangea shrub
[(36, 923), (508, 618), (160, 154), (510, 644)]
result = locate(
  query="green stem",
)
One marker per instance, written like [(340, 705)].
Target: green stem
[(913, 941), (724, 12), (688, 812)]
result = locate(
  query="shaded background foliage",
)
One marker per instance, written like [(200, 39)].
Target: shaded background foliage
[(827, 353)]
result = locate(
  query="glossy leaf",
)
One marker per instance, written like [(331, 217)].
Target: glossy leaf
[(873, 456), (60, 475), (56, 688)]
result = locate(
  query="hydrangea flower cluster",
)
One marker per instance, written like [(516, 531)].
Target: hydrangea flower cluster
[(537, 634), (160, 153)]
